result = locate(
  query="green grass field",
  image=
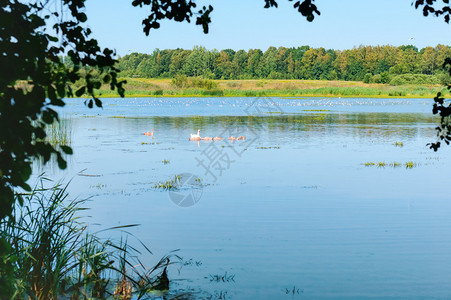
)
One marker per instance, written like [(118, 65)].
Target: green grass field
[(140, 87)]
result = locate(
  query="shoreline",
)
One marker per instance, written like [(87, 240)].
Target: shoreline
[(278, 96), (158, 88)]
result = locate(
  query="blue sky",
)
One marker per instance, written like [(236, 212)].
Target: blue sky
[(245, 24)]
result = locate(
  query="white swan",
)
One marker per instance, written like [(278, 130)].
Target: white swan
[(195, 137)]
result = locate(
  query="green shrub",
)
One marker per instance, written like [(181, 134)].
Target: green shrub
[(398, 80), (179, 81), (199, 82), (367, 78), (385, 77), (376, 78)]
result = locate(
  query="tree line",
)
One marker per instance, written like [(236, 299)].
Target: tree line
[(363, 63)]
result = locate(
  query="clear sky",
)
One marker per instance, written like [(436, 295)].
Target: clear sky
[(245, 24)]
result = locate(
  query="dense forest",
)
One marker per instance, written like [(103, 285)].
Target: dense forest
[(378, 64)]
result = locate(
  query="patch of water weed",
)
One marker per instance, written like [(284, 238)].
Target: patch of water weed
[(222, 278), (398, 144), (192, 262), (410, 164), (98, 186), (310, 187), (433, 158), (165, 161), (117, 117), (274, 147), (382, 164), (316, 110), (293, 291), (55, 255), (219, 295), (171, 184)]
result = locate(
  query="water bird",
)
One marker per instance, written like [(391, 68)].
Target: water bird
[(206, 138), (217, 138), (195, 136), (242, 137), (232, 138), (149, 133)]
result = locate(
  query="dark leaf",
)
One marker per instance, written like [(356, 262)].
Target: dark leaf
[(80, 91), (66, 149)]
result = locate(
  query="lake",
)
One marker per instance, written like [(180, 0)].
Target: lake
[(292, 212)]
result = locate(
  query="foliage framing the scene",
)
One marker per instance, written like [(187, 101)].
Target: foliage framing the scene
[(34, 78), (440, 106)]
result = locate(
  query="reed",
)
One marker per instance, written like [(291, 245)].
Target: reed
[(60, 133), (54, 255)]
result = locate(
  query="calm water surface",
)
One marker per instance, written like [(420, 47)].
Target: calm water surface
[(293, 206)]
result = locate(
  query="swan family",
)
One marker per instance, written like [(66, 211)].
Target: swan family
[(197, 137), (241, 137)]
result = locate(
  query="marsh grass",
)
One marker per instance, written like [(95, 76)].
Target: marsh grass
[(139, 87), (171, 184), (60, 133), (54, 255)]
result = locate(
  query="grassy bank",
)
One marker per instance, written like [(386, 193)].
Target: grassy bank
[(141, 87)]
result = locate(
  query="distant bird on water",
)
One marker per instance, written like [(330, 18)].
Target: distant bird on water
[(149, 133), (195, 137)]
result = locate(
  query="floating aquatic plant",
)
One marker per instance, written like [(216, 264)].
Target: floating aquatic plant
[(381, 164), (171, 184), (410, 164), (315, 110), (192, 262), (293, 291), (222, 278)]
